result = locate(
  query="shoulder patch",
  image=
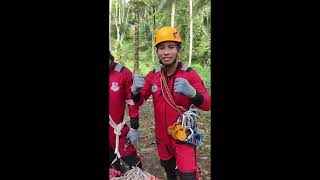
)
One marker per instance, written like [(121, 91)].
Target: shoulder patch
[(186, 68), (119, 68), (157, 69)]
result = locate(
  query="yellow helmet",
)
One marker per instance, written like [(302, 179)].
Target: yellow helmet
[(167, 34)]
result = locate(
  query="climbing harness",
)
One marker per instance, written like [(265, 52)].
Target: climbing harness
[(136, 174), (117, 132), (185, 129), (118, 127)]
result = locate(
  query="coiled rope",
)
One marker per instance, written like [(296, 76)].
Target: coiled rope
[(136, 174)]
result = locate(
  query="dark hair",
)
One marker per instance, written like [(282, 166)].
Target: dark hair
[(110, 56), (178, 45)]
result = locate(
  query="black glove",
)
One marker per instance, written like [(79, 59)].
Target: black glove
[(134, 123)]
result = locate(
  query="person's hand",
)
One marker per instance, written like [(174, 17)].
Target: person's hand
[(133, 136), (182, 86), (138, 83)]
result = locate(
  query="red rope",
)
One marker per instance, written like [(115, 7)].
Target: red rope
[(170, 100)]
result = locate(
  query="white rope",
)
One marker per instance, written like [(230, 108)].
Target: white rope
[(117, 132), (118, 128), (135, 174), (189, 120)]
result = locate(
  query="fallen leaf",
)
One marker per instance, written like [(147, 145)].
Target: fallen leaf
[(203, 158)]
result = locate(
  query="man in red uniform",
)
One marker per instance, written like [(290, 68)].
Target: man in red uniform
[(121, 137), (175, 81)]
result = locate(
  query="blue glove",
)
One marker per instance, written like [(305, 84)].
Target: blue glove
[(133, 136), (182, 86), (138, 83)]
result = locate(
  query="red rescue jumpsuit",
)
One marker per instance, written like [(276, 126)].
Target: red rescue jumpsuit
[(165, 115), (120, 81)]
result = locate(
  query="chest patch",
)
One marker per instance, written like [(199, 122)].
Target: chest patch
[(115, 86), (154, 88)]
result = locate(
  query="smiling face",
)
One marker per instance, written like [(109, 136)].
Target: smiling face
[(167, 52)]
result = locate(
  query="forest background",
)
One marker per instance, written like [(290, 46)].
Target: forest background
[(132, 26)]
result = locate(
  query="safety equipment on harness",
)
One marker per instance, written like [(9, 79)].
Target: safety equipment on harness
[(185, 129), (189, 120), (195, 138), (177, 132), (167, 34)]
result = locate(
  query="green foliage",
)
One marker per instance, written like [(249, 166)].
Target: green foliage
[(201, 59), (205, 75), (201, 52)]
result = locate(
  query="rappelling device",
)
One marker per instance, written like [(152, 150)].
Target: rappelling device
[(185, 129)]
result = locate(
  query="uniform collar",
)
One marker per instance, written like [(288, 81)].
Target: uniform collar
[(175, 72)]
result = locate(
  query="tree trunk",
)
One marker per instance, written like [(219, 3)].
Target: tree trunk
[(145, 25), (203, 28), (124, 26), (136, 40), (119, 15), (110, 24), (154, 31), (173, 12), (191, 35), (118, 22)]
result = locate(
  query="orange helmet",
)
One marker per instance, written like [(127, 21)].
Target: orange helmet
[(167, 34)]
